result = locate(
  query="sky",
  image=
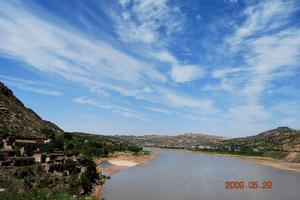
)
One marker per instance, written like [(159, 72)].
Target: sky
[(223, 67)]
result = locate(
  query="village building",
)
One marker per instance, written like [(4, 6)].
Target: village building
[(13, 153), (40, 157), (9, 142), (59, 160)]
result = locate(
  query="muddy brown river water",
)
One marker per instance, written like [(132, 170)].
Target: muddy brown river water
[(179, 175)]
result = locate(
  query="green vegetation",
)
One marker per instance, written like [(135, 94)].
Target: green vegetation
[(62, 180), (179, 141), (38, 194), (78, 178), (94, 145), (276, 143)]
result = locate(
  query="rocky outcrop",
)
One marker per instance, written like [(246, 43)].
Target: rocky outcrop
[(15, 118), (293, 157)]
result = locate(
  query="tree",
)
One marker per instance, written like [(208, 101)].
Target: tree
[(59, 142), (70, 165), (68, 136), (46, 148), (85, 183), (49, 133)]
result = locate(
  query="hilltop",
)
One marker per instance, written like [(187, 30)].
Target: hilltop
[(279, 139), (282, 142), (15, 118)]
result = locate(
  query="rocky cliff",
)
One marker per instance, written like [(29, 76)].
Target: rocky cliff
[(15, 118)]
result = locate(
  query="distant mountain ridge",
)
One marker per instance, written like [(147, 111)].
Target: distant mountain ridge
[(281, 143), (179, 141), (281, 139), (15, 118)]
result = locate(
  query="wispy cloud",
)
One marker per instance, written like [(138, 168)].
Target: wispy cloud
[(220, 73), (187, 102), (132, 57), (269, 47), (160, 110), (181, 74), (58, 49), (117, 109), (65, 51), (32, 86), (147, 21)]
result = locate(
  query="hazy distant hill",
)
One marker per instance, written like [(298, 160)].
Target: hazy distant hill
[(15, 118), (180, 141)]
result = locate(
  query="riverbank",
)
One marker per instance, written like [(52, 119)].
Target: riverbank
[(279, 164), (124, 160), (120, 161)]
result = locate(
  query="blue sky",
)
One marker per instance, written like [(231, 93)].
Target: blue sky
[(226, 67)]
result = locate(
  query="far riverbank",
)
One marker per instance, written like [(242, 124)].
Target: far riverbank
[(279, 164)]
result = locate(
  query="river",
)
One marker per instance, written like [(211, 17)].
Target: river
[(180, 175)]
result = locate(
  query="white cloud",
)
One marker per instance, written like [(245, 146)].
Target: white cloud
[(124, 3), (268, 46), (160, 110), (263, 17), (32, 86), (117, 109), (60, 50), (165, 56), (147, 21), (86, 100), (233, 1), (267, 51), (225, 84), (181, 74), (252, 117), (220, 73), (204, 106), (51, 48)]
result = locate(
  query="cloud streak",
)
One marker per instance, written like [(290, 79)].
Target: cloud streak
[(147, 21), (117, 109), (32, 86), (58, 49), (147, 59)]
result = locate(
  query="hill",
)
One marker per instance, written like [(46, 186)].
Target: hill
[(282, 142), (15, 118), (279, 139), (279, 143), (180, 141), (60, 166)]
